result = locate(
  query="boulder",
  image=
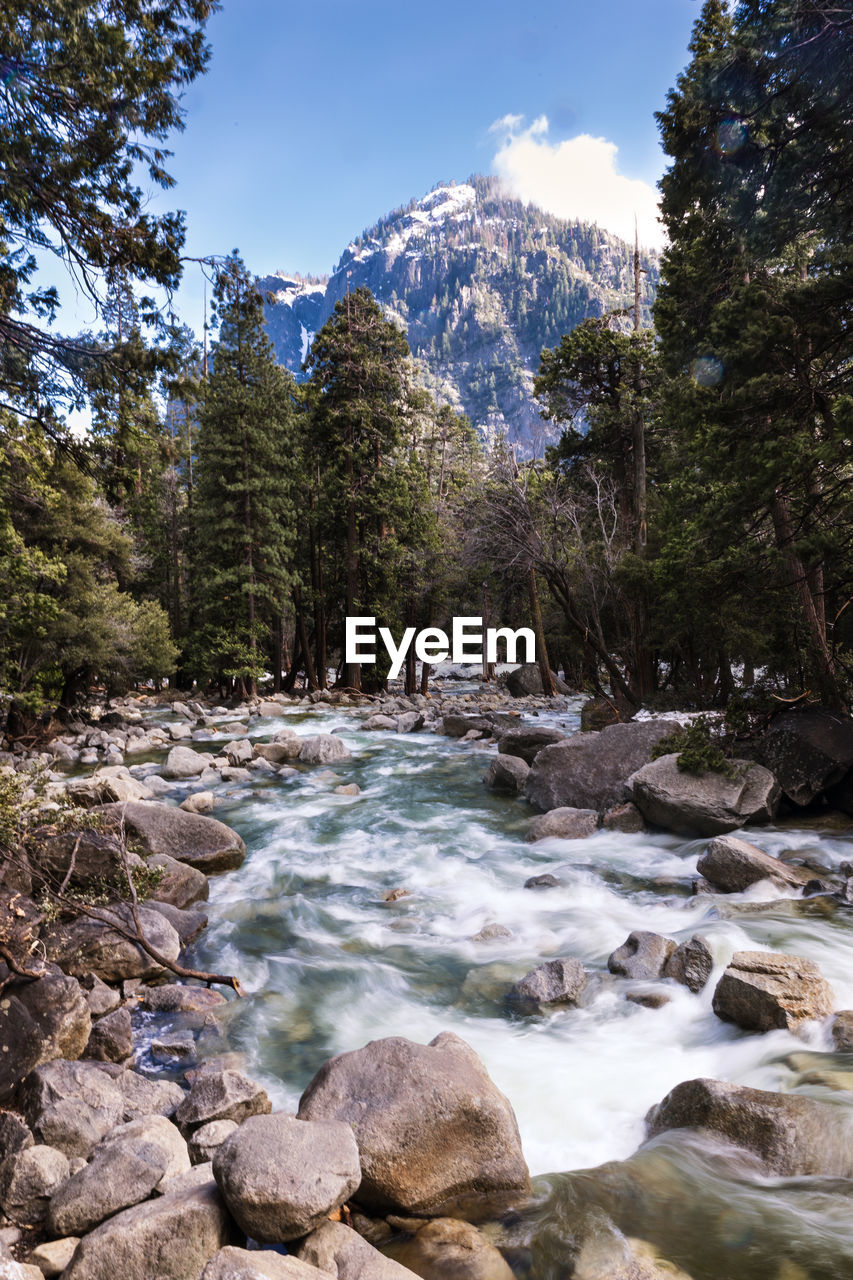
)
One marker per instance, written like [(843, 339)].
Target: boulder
[(239, 752), (112, 1037), (183, 762), (96, 855), (171, 1238), (597, 714), (155, 1131), (22, 1044), (763, 991), (173, 997), (221, 1095), (199, 802), (205, 1141), (452, 1250), (526, 681), (507, 773), (100, 998), (89, 944), (121, 1173), (704, 804), (188, 925), (546, 881), (808, 750), (15, 1135), (458, 726), (590, 770), (277, 752), (203, 842), (111, 784), (690, 963), (338, 1250), (563, 824), (257, 1264), (410, 722), (281, 1177), (70, 1105), (527, 743), (181, 885), (732, 865), (28, 1179), (145, 1097), (790, 1135), (417, 1159), (323, 748), (642, 955), (557, 982), (57, 1005), (374, 723)]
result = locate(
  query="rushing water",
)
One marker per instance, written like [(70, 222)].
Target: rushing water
[(328, 965)]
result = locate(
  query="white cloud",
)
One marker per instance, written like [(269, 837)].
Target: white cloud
[(578, 178)]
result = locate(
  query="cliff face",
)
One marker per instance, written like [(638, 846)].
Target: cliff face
[(481, 283)]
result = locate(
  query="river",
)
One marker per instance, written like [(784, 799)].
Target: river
[(328, 965)]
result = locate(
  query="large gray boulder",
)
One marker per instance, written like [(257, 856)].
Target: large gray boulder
[(183, 762), (174, 997), (221, 1095), (120, 1174), (338, 1250), (417, 1158), (203, 842), (507, 773), (112, 1037), (232, 1263), (171, 1238), (703, 804), (58, 1006), (526, 681), (732, 865), (96, 857), (281, 1177), (809, 751), (690, 964), (323, 748), (22, 1044), (91, 945), (765, 990), (590, 770), (790, 1135), (557, 982), (180, 885), (527, 743)]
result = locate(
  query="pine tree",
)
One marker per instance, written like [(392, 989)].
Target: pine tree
[(244, 497)]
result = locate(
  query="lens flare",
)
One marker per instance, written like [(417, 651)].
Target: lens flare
[(707, 371), (731, 136)]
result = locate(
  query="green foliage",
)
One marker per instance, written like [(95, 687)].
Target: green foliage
[(699, 749)]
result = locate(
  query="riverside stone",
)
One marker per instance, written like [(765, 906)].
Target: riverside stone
[(563, 824), (527, 743), (731, 865), (454, 1250), (221, 1095), (277, 752), (842, 1031), (53, 1256), (188, 925), (704, 804), (590, 770), (96, 856), (690, 963), (28, 1179), (203, 842), (809, 751), (337, 1249), (418, 1159), (120, 1174), (181, 885), (507, 773), (526, 681), (70, 1105), (623, 817), (100, 998), (172, 997), (323, 748), (762, 991), (112, 1037), (258, 1264), (172, 1238), (790, 1135), (642, 955), (280, 1177), (57, 1005), (205, 1141), (555, 982), (89, 944)]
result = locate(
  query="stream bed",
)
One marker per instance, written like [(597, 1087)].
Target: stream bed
[(328, 964)]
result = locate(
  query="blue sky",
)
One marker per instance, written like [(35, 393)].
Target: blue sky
[(314, 119)]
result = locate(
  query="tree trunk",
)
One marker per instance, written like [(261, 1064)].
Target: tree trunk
[(538, 630)]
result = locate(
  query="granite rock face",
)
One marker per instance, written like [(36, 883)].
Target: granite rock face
[(763, 991), (590, 770)]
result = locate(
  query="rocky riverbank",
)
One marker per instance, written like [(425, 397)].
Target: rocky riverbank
[(74, 1085)]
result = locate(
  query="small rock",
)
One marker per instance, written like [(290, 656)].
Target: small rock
[(623, 817), (648, 999), (546, 881), (555, 982), (842, 1031), (491, 932), (690, 963), (732, 865), (337, 1249), (112, 1037), (348, 789), (394, 895), (642, 955), (53, 1256), (174, 1048), (453, 1250), (221, 1095), (28, 1179), (199, 802), (183, 762), (323, 748), (172, 997), (507, 773), (206, 1141), (527, 743), (258, 1264), (100, 998), (563, 824)]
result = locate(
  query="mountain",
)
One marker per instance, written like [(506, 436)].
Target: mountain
[(481, 282)]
